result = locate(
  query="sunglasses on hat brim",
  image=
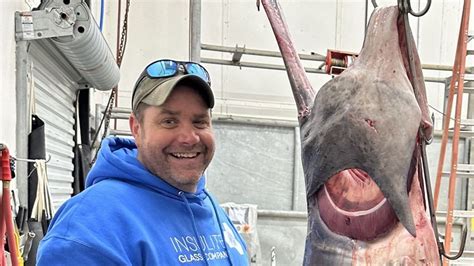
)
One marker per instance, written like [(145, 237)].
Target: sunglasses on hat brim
[(165, 68)]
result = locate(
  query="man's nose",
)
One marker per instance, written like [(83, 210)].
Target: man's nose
[(188, 135)]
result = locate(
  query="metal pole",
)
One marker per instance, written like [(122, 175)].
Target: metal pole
[(366, 14), (243, 50), (256, 65), (195, 30), (282, 214), (23, 118)]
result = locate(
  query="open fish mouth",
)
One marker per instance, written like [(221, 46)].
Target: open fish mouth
[(351, 204), (365, 131)]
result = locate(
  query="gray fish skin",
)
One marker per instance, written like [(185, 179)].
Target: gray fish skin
[(324, 247)]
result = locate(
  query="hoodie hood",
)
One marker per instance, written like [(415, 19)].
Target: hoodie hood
[(117, 160)]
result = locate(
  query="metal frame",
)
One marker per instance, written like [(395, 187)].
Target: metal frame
[(23, 125), (237, 53)]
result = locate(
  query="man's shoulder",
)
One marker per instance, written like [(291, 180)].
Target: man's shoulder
[(88, 222), (91, 207), (99, 194), (105, 191), (58, 250)]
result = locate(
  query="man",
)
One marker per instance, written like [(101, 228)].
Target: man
[(145, 201)]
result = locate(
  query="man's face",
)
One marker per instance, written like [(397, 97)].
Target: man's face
[(175, 140)]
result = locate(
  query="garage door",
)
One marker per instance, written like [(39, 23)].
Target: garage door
[(54, 93)]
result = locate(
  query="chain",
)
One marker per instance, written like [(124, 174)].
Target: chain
[(123, 38)]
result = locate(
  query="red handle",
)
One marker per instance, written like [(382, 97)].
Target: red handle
[(6, 218), (5, 173)]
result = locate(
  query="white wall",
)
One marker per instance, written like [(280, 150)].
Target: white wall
[(7, 72), (156, 29)]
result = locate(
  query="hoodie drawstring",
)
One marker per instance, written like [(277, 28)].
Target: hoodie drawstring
[(181, 193), (220, 227)]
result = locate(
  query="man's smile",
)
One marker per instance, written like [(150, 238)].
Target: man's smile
[(185, 155)]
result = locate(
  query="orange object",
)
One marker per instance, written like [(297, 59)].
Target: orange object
[(457, 81), (337, 61), (6, 218)]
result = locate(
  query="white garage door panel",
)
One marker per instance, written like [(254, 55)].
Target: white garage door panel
[(54, 90)]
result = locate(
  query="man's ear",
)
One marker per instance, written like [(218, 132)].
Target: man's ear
[(134, 126)]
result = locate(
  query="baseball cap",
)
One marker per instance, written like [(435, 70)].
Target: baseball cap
[(155, 91)]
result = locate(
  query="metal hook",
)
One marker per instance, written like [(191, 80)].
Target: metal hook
[(405, 6), (374, 3), (461, 248)]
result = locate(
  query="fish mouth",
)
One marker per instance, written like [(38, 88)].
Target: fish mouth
[(351, 204), (363, 196), (366, 155)]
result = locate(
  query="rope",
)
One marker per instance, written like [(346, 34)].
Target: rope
[(43, 194)]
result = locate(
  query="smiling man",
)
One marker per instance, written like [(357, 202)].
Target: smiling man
[(145, 201)]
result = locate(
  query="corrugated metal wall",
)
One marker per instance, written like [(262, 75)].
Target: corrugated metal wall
[(54, 90)]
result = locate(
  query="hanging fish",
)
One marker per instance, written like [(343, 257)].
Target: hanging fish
[(360, 150)]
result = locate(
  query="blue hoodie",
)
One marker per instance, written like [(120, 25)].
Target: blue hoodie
[(128, 216)]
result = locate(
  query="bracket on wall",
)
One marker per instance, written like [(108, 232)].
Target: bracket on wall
[(47, 23), (237, 54)]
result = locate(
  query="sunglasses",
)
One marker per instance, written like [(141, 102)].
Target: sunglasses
[(168, 68)]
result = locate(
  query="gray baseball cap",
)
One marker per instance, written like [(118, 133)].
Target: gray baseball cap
[(155, 91)]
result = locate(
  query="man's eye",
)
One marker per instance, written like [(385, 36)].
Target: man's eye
[(169, 123), (201, 124)]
